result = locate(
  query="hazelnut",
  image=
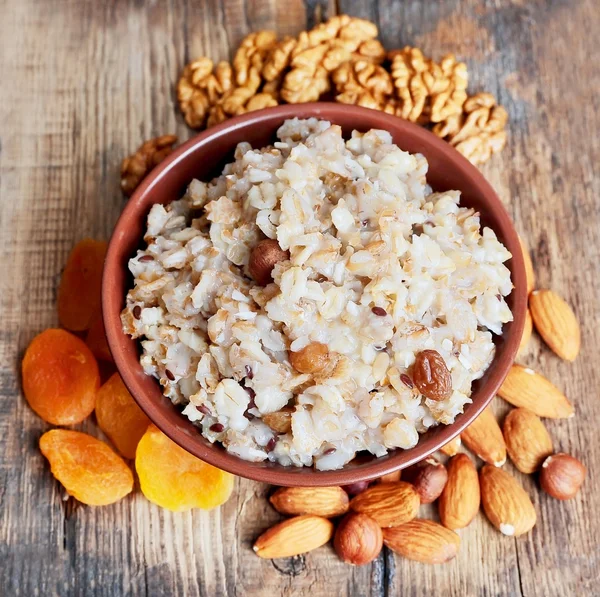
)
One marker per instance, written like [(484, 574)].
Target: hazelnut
[(356, 488), (263, 258), (561, 476), (428, 478), (358, 539), (314, 357)]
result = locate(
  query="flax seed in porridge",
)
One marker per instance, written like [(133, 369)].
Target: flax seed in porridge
[(286, 304)]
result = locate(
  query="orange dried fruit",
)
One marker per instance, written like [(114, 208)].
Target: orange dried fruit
[(174, 479), (119, 416), (60, 377), (80, 285), (96, 340), (87, 468)]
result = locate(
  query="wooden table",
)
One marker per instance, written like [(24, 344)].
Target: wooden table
[(83, 84)]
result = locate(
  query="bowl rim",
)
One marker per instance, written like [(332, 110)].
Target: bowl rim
[(279, 475)]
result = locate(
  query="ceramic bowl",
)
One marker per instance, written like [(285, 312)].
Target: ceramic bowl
[(202, 157)]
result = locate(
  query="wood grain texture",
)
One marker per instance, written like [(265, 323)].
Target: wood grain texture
[(83, 83)]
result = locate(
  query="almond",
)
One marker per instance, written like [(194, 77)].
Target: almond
[(562, 476), (529, 274), (484, 438), (389, 504), (527, 441), (390, 477), (358, 539), (320, 501), (428, 477), (505, 502), (459, 502), (452, 447), (423, 541), (556, 323), (528, 389), (527, 329), (293, 537)]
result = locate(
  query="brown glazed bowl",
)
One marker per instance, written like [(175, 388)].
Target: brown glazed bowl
[(202, 157)]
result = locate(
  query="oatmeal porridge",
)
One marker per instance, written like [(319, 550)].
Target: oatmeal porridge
[(317, 299)]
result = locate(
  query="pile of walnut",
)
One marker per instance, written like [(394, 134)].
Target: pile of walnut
[(386, 512), (342, 58)]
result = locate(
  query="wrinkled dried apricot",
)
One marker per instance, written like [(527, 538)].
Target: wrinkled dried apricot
[(174, 479), (80, 285), (60, 377), (87, 468), (96, 340), (119, 416)]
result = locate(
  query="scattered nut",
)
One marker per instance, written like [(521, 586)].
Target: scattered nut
[(294, 536), (525, 388), (478, 132), (527, 440), (390, 477), (199, 88), (428, 478), (263, 258), (320, 501), (561, 476), (556, 323), (432, 376), (452, 447), (527, 330), (135, 167), (356, 488), (358, 539), (389, 504), (529, 273), (484, 438), (423, 541), (505, 502), (459, 502)]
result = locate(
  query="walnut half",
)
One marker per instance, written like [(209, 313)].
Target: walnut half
[(478, 131), (135, 167)]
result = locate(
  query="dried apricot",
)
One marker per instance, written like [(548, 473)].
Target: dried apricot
[(174, 479), (96, 340), (119, 416), (60, 377), (87, 468), (80, 285)]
